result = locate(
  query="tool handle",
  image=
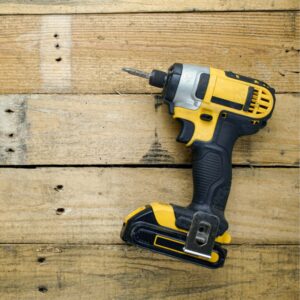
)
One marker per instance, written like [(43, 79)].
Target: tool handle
[(212, 172)]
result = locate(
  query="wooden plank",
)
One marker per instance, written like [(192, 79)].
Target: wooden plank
[(124, 129), (123, 6), (75, 205), (85, 53), (120, 272)]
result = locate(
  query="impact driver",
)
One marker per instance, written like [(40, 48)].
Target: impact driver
[(214, 108)]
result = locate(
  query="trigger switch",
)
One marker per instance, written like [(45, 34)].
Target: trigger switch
[(187, 131)]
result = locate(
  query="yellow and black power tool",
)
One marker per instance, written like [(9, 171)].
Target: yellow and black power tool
[(214, 107)]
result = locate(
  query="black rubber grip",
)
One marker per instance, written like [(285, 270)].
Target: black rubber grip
[(212, 171), (211, 178), (211, 164)]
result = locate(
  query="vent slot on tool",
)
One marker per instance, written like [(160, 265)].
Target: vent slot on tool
[(260, 102)]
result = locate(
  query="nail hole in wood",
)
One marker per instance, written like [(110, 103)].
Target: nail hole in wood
[(41, 259), (57, 46), (9, 111), (10, 135), (11, 150), (58, 59), (59, 187), (56, 35), (60, 211), (42, 289)]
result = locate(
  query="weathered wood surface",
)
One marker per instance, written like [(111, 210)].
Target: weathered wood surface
[(120, 272), (122, 6), (59, 229), (85, 53), (124, 129), (87, 205)]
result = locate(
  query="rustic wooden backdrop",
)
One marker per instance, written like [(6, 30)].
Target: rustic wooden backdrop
[(82, 144)]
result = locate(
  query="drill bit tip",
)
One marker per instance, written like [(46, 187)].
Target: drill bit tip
[(136, 72)]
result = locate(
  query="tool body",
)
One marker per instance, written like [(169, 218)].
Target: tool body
[(214, 108)]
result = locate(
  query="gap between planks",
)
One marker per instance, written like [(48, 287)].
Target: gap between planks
[(126, 245), (137, 166), (133, 6)]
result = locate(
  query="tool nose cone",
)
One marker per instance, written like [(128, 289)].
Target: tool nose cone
[(158, 78)]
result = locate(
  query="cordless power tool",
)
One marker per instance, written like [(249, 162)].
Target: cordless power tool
[(214, 108)]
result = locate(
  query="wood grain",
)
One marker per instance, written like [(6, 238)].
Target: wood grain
[(75, 205), (263, 45), (123, 6), (59, 229), (124, 129), (120, 272)]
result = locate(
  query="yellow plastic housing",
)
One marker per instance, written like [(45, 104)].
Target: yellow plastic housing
[(227, 88)]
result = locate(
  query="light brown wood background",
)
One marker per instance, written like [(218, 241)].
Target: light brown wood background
[(82, 144)]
